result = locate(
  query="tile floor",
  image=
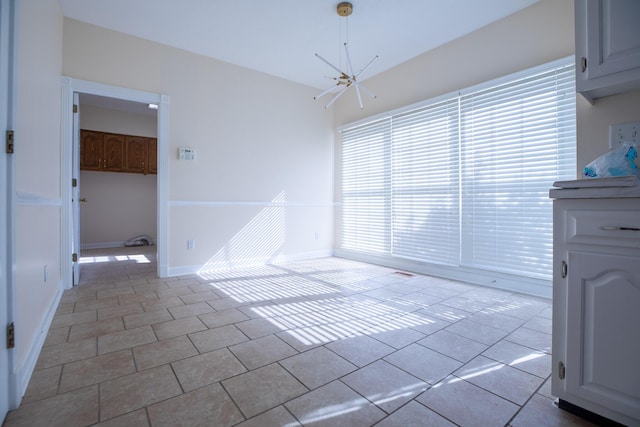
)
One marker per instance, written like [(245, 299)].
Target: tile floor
[(326, 342)]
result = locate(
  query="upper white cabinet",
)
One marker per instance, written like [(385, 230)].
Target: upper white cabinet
[(607, 47)]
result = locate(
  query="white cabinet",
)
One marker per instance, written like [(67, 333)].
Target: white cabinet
[(607, 47), (596, 306)]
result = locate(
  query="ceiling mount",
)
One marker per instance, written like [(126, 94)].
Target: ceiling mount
[(345, 8)]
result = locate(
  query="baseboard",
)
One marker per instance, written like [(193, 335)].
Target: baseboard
[(280, 259), (102, 245), (24, 372)]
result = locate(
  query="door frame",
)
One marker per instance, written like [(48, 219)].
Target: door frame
[(9, 398), (69, 87)]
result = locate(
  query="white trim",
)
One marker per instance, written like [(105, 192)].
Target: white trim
[(9, 16), (220, 203), (71, 85), (25, 371), (30, 199), (280, 259)]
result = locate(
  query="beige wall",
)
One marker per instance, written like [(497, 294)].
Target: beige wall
[(119, 206), (37, 160), (257, 137)]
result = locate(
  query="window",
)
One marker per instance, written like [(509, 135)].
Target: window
[(464, 180)]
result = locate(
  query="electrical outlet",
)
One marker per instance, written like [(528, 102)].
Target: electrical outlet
[(191, 244), (624, 132)]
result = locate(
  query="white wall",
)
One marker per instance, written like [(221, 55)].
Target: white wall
[(119, 205), (37, 159), (262, 144)]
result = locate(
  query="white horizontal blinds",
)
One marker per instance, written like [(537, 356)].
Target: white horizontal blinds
[(516, 140), (365, 188), (424, 182)]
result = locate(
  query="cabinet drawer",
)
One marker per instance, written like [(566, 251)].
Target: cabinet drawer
[(615, 228)]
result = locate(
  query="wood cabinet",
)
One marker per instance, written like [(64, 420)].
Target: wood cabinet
[(607, 47), (596, 306), (109, 152)]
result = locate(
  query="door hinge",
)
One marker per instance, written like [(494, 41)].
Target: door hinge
[(75, 108), (561, 370), (583, 64), (563, 270), (74, 182), (74, 257), (9, 142), (11, 336)]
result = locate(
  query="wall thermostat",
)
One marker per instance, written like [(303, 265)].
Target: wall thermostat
[(187, 154)]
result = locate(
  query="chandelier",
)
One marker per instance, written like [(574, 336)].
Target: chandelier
[(345, 78)]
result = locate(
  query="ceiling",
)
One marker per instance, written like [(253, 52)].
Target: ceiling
[(281, 37)]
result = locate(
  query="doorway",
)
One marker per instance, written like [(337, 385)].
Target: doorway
[(70, 168), (118, 197)]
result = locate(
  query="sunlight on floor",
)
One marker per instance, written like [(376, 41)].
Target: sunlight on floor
[(139, 259)]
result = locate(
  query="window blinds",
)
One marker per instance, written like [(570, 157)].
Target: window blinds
[(464, 180)]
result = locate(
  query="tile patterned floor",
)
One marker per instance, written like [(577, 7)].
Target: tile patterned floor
[(326, 342)]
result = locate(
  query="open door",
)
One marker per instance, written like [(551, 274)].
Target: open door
[(75, 191)]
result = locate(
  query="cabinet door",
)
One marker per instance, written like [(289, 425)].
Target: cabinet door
[(603, 330), (114, 152), (91, 150), (607, 46), (136, 154), (152, 156)]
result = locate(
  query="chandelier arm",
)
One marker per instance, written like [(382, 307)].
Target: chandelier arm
[(330, 64), (335, 98), (359, 96), (325, 92), (367, 66), (365, 90)]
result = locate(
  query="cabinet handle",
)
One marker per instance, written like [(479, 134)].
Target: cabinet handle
[(613, 227), (583, 64), (563, 270)]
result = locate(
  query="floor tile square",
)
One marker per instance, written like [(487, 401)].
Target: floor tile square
[(223, 318), (334, 404), (262, 351), (214, 339), (360, 350), (385, 385), (207, 368), (453, 345), (133, 321), (398, 338), (67, 352), (161, 352), (93, 329), (125, 339), (125, 394), (541, 412), (256, 328), (178, 327), (43, 383), (317, 367), (60, 320), (95, 370), (423, 363), (465, 404), (264, 388), (210, 403), (132, 419), (118, 311), (414, 414), (518, 356), (190, 310), (530, 338), (278, 416), (477, 331), (498, 378), (76, 408)]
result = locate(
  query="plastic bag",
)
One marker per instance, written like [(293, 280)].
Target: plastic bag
[(620, 161), (142, 240)]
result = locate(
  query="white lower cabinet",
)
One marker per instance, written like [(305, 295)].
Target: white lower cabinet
[(596, 307)]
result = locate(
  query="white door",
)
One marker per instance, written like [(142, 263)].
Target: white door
[(7, 17), (75, 191)]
